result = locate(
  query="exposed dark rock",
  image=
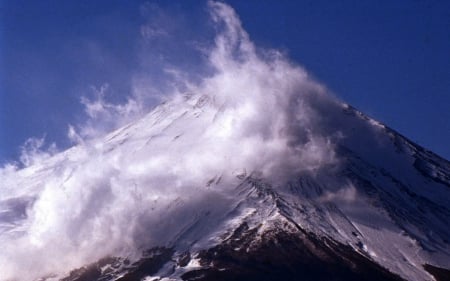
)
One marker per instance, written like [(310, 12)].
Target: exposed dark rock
[(94, 271), (285, 256), (110, 268), (440, 274), (184, 259), (149, 264)]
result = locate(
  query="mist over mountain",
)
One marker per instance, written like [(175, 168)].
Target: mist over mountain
[(254, 172)]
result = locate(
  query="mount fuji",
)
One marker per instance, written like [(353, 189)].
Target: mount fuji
[(255, 173)]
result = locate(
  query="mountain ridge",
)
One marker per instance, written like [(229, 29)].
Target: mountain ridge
[(347, 204)]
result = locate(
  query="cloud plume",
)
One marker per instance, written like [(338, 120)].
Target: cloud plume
[(112, 194)]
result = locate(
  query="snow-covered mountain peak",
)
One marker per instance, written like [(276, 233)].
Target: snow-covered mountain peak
[(257, 168)]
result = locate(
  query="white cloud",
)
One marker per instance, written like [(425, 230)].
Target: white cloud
[(149, 32), (345, 194), (33, 151), (73, 136), (104, 116), (136, 186)]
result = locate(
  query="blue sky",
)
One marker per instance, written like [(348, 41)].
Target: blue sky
[(390, 59)]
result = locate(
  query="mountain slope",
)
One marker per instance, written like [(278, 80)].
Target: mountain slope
[(255, 173), (351, 220), (358, 217)]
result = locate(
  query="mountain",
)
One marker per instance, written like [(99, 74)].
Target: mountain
[(380, 212), (255, 173)]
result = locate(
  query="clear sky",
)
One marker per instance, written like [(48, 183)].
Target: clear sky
[(389, 59)]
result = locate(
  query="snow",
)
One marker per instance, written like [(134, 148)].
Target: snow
[(193, 264), (119, 188), (259, 143)]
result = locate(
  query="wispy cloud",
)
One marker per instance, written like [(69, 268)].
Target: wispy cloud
[(104, 116), (34, 151)]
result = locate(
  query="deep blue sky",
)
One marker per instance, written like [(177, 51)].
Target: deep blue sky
[(390, 59)]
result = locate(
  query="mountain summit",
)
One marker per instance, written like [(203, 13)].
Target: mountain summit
[(255, 173)]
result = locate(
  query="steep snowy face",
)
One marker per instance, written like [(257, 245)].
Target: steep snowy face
[(184, 176)]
